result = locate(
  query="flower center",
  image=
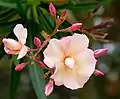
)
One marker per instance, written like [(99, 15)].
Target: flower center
[(69, 62)]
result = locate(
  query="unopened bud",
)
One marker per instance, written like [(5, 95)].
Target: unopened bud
[(63, 13), (100, 52), (37, 58), (41, 64), (49, 88), (98, 73), (52, 10), (19, 67), (74, 27), (37, 42)]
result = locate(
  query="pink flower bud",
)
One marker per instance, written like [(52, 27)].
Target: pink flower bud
[(74, 27), (52, 10), (41, 64), (98, 73), (37, 58), (100, 52), (49, 88), (62, 19), (19, 67), (63, 13), (37, 42), (63, 16)]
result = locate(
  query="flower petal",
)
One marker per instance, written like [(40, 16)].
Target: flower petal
[(22, 52), (58, 74), (85, 66), (53, 53), (73, 44), (11, 44), (21, 33), (8, 51), (70, 79), (85, 62)]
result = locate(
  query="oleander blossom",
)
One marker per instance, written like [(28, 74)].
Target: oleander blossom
[(14, 47), (73, 61)]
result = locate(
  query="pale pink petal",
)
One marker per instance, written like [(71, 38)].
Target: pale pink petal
[(85, 62), (58, 74), (82, 80), (21, 33), (65, 43), (85, 66), (22, 52), (53, 53), (74, 44), (11, 44), (70, 79), (8, 51)]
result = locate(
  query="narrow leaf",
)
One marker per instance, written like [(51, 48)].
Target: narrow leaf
[(35, 71), (7, 4), (38, 82), (14, 79)]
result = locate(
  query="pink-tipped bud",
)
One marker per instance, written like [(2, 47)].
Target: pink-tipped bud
[(52, 10), (37, 42), (49, 88), (41, 64), (19, 67), (63, 13), (98, 73), (74, 27), (63, 16), (100, 52), (37, 58)]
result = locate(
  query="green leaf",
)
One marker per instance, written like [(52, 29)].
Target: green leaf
[(33, 2), (8, 4), (21, 9), (11, 23), (35, 71), (14, 79), (35, 14), (4, 31), (38, 83), (48, 25)]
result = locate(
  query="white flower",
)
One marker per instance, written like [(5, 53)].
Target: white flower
[(12, 46), (73, 61)]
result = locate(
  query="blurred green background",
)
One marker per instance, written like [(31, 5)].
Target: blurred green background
[(100, 87)]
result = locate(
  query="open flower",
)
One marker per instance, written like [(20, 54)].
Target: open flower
[(14, 47), (73, 61)]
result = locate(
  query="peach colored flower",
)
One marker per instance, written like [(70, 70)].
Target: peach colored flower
[(14, 47), (73, 61)]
